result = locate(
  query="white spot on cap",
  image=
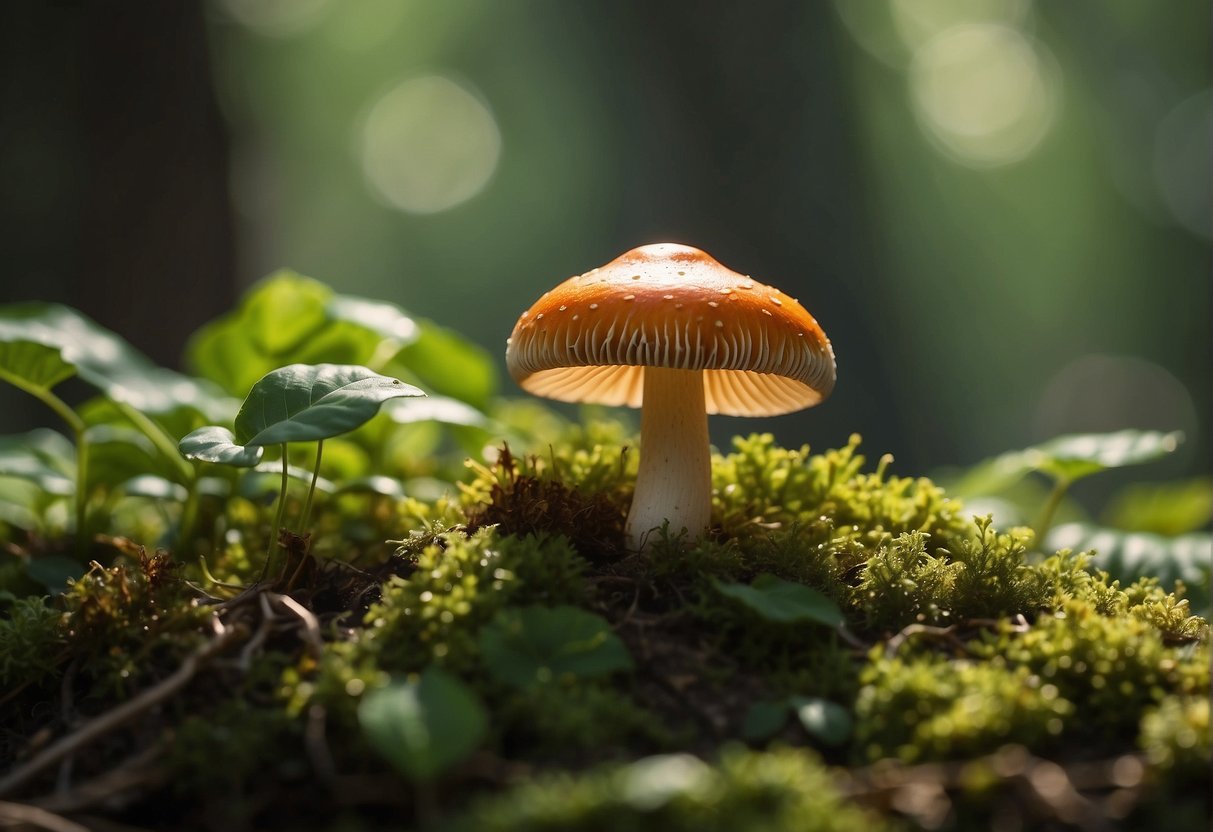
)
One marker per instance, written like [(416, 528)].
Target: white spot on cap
[(776, 301), (629, 297), (720, 324), (593, 306), (713, 304)]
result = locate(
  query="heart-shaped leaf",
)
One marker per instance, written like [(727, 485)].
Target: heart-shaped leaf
[(41, 456), (528, 646), (424, 726), (783, 601), (217, 444), (306, 402)]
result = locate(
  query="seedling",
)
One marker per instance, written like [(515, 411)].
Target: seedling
[(297, 403)]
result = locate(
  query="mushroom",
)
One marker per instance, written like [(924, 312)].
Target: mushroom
[(669, 327)]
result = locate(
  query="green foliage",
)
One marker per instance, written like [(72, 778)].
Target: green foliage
[(32, 641), (213, 443), (1110, 667), (460, 583), (423, 725), (1167, 509), (1175, 737), (932, 707), (784, 790), (782, 601), (526, 647)]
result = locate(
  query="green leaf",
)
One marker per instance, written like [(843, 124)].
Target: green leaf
[(217, 444), (291, 319), (54, 572), (1168, 509), (783, 601), (302, 403), (383, 486), (27, 363), (528, 646), (1128, 556), (152, 487), (823, 719), (266, 479), (435, 409), (1074, 457), (424, 726), (448, 364), (764, 720), (103, 359), (42, 457)]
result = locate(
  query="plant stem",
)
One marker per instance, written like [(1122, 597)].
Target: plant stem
[(307, 506), (269, 552), (78, 428), (168, 448), (1050, 508)]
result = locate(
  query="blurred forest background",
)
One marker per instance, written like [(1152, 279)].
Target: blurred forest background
[(999, 210)]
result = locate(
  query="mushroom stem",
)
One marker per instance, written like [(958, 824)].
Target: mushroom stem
[(674, 482)]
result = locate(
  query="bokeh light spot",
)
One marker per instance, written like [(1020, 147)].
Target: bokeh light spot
[(276, 18), (985, 92), (917, 21), (428, 144)]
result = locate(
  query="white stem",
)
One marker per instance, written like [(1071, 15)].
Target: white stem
[(675, 478)]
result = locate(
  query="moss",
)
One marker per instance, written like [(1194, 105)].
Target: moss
[(573, 722), (784, 790), (934, 707), (32, 641), (1175, 737), (126, 623), (1110, 667)]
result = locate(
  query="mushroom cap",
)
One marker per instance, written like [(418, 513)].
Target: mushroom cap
[(669, 305)]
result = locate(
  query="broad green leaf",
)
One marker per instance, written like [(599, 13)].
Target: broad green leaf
[(266, 479), (448, 364), (291, 319), (154, 488), (383, 486), (42, 457), (1169, 508), (54, 572), (1074, 457), (775, 599), (1131, 555), (302, 403), (26, 363), (424, 726), (103, 359), (217, 444), (385, 319), (823, 719), (528, 646), (118, 452), (764, 720), (435, 409)]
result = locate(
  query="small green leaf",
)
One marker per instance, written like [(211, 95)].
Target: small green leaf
[(384, 319), (1128, 556), (775, 599), (764, 720), (528, 646), (217, 444), (304, 402), (823, 719), (424, 726)]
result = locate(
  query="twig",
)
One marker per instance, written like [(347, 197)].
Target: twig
[(116, 717), (21, 816), (66, 707), (311, 626), (946, 633), (105, 789), (317, 745)]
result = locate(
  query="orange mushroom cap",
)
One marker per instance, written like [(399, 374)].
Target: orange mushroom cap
[(669, 305)]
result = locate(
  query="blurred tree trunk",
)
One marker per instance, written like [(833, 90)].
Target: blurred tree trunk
[(157, 252), (114, 167)]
